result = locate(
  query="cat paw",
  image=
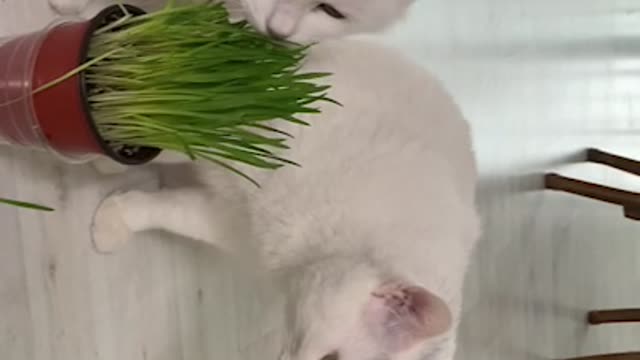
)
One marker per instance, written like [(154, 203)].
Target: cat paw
[(68, 7), (106, 166), (109, 230)]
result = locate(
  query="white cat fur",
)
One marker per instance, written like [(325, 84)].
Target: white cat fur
[(385, 195)]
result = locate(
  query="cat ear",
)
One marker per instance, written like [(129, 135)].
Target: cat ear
[(400, 315)]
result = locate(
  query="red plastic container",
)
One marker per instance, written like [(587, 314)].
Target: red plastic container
[(59, 118)]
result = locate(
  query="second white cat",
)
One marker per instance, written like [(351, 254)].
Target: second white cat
[(301, 21)]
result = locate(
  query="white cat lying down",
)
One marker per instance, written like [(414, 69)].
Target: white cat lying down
[(370, 238)]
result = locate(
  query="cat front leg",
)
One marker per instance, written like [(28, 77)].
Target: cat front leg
[(192, 213)]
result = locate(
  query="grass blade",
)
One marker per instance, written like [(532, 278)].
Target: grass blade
[(25, 205)]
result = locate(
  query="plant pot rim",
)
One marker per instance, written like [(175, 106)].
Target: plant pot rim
[(128, 155)]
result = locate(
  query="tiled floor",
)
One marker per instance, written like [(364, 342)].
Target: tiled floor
[(539, 80)]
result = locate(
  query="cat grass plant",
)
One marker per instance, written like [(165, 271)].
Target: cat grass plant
[(185, 79), (128, 85)]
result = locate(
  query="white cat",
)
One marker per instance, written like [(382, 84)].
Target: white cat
[(370, 237), (301, 21)]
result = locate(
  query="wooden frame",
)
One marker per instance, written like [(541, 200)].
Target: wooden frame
[(628, 200), (630, 203)]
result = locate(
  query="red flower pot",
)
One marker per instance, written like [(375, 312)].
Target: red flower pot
[(59, 118)]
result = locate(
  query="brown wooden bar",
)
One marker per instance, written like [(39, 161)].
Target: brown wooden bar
[(632, 212), (591, 190), (619, 356), (615, 161), (613, 316)]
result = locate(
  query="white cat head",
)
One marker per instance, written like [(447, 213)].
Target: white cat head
[(307, 21), (350, 313)]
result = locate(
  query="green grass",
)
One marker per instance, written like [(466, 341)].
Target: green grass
[(25, 205), (185, 79)]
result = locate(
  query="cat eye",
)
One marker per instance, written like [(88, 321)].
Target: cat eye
[(336, 14), (332, 356)]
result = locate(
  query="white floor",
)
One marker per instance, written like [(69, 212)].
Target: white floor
[(539, 80)]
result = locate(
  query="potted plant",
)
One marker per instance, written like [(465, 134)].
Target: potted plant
[(127, 85)]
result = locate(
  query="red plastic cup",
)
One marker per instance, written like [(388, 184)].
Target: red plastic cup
[(57, 119), (18, 123)]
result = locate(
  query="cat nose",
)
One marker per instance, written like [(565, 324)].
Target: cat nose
[(281, 25)]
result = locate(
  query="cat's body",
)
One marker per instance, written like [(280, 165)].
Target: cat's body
[(371, 236)]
